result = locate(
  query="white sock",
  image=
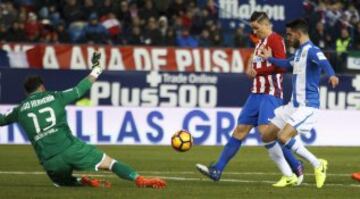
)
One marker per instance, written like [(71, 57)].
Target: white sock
[(277, 156), (299, 148)]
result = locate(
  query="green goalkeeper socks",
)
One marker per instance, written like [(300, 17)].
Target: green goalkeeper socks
[(123, 171)]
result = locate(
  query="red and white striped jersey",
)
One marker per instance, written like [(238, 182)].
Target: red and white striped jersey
[(269, 77)]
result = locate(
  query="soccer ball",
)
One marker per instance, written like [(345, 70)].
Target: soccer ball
[(181, 141)]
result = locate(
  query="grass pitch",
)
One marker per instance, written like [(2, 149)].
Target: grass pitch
[(249, 175)]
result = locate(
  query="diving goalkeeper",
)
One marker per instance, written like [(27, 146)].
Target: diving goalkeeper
[(42, 115)]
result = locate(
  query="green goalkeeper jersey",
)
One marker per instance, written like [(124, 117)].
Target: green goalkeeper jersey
[(43, 117)]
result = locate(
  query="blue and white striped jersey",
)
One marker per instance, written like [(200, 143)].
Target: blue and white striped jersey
[(307, 63)]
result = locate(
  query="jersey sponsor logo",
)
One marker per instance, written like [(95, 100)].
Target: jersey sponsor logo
[(320, 56), (44, 134)]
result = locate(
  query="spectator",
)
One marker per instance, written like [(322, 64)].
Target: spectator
[(186, 40), (94, 32), (32, 28), (204, 40), (356, 45), (72, 12), (333, 14), (112, 24), (16, 33), (178, 26), (320, 38), (148, 12), (49, 10), (241, 39), (3, 33), (351, 14), (217, 40), (63, 36), (163, 26), (343, 43), (212, 9), (170, 39), (89, 8), (134, 10), (342, 46), (186, 19), (47, 33), (106, 8), (124, 15), (177, 8), (135, 37), (152, 35), (8, 15)]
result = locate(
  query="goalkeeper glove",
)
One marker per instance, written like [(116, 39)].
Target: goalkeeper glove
[(96, 68)]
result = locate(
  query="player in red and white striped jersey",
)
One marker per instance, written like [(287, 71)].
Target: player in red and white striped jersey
[(265, 97), (268, 79)]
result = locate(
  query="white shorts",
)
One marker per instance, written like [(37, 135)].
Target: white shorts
[(302, 118)]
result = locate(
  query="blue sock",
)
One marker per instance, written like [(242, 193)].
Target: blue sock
[(228, 152), (290, 158)]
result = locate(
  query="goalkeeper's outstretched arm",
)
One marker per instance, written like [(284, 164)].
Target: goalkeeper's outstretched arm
[(84, 85), (9, 117)]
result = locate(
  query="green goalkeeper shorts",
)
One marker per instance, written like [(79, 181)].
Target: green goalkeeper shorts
[(79, 156)]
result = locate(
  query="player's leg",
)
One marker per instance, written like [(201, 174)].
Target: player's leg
[(269, 137), (64, 178), (60, 172), (286, 137), (215, 170), (233, 145), (267, 107), (302, 120), (126, 172), (87, 157), (246, 121)]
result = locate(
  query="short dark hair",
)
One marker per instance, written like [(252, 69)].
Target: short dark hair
[(259, 16), (32, 83), (299, 25)]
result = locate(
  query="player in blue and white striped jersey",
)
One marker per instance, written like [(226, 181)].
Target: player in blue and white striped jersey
[(299, 115)]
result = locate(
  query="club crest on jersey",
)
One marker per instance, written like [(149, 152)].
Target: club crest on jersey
[(257, 59)]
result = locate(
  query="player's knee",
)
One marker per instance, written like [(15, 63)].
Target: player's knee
[(268, 134), (268, 137), (240, 132), (283, 137), (106, 163)]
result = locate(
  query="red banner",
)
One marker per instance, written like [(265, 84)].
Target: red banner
[(66, 56)]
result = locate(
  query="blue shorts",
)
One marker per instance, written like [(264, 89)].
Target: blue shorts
[(258, 109)]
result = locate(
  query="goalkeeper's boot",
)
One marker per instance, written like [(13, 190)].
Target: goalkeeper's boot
[(155, 183), (93, 182), (356, 176), (210, 172), (299, 172), (320, 173), (286, 181)]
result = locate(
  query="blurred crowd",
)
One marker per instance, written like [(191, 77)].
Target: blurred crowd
[(123, 22), (334, 23), (335, 27)]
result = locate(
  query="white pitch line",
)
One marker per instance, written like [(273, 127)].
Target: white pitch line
[(238, 173), (182, 172), (175, 178)]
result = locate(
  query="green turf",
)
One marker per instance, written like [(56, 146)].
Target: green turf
[(184, 181)]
